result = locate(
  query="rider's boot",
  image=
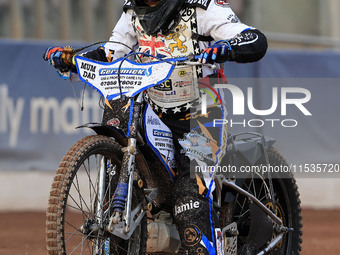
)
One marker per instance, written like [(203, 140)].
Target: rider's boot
[(196, 220)]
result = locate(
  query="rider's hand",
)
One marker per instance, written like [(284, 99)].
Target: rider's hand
[(218, 52), (53, 56)]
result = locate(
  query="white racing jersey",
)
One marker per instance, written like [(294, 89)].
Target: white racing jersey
[(212, 18)]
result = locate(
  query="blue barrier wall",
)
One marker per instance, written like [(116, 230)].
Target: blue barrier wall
[(39, 113), (38, 110)]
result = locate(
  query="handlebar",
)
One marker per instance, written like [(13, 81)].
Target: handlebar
[(192, 63), (125, 76), (69, 53)]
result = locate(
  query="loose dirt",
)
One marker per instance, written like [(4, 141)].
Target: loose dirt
[(23, 233)]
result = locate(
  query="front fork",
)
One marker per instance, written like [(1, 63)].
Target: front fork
[(123, 191), (122, 199)]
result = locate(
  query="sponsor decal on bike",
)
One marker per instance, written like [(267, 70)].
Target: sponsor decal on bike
[(153, 121), (159, 136), (126, 71), (219, 241), (162, 133), (115, 122), (122, 76), (132, 128), (88, 67), (88, 71), (107, 247)]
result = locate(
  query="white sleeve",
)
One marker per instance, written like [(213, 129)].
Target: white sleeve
[(124, 34), (219, 21)]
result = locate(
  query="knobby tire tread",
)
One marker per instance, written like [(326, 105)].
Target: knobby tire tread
[(58, 193), (294, 199), (291, 187)]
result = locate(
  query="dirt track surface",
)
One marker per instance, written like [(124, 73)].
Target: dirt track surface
[(23, 233)]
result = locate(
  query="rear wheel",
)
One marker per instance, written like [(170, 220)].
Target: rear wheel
[(286, 207), (80, 202)]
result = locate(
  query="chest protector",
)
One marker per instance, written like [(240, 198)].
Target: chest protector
[(180, 90)]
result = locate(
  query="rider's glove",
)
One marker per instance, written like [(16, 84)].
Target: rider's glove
[(53, 56), (61, 59), (219, 52)]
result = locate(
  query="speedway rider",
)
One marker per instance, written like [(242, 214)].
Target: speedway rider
[(183, 28)]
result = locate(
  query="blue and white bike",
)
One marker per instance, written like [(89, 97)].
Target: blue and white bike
[(111, 192)]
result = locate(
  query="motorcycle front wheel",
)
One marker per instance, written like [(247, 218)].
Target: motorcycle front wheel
[(80, 202)]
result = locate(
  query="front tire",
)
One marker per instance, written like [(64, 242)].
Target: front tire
[(75, 221)]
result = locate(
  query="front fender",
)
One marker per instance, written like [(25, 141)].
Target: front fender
[(107, 130)]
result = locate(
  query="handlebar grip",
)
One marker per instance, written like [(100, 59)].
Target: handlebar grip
[(67, 56)]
